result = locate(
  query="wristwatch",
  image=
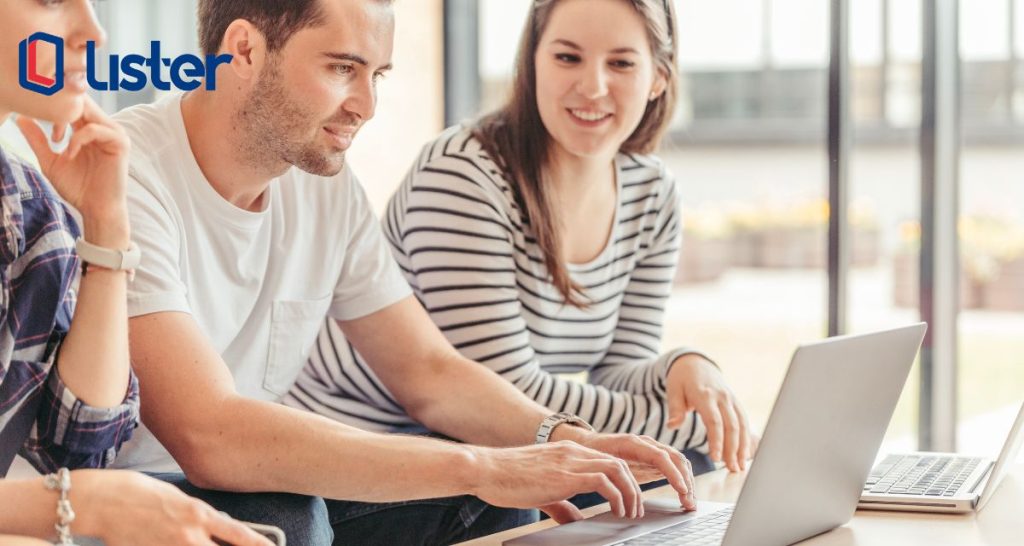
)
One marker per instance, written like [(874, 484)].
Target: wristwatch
[(551, 421), (109, 258)]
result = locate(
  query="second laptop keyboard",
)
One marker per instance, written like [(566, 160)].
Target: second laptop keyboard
[(928, 475), (706, 530)]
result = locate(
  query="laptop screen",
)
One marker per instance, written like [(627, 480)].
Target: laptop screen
[(1007, 458)]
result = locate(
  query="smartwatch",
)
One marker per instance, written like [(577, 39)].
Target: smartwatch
[(108, 258)]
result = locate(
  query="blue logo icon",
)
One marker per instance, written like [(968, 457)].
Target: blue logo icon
[(129, 73), (28, 61)]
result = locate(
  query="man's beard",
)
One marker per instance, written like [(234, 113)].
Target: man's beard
[(273, 126)]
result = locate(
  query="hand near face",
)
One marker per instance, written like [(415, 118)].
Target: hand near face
[(695, 384), (91, 174)]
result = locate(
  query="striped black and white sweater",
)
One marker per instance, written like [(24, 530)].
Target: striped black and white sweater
[(467, 250)]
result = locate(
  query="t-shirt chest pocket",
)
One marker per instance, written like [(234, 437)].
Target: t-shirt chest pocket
[(293, 329)]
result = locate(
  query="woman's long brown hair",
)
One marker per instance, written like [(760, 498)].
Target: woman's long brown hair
[(515, 136)]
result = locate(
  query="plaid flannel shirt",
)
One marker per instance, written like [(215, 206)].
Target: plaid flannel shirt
[(39, 272)]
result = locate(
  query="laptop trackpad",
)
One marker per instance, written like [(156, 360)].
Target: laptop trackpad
[(605, 528)]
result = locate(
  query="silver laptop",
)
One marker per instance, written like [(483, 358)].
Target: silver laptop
[(827, 424), (939, 482)]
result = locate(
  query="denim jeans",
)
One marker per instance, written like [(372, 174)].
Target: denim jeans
[(434, 521), (312, 521)]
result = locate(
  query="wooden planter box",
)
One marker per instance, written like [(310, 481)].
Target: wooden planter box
[(703, 260), (905, 284), (793, 248), (746, 248), (800, 248), (1006, 291), (866, 250)]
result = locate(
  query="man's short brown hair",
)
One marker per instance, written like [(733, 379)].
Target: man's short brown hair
[(278, 20)]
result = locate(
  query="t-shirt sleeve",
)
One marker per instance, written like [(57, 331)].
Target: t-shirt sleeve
[(158, 285), (370, 280)]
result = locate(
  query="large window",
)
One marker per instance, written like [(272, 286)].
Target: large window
[(991, 223), (885, 194), (751, 282)]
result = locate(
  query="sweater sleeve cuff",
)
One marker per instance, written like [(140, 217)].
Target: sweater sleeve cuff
[(669, 359)]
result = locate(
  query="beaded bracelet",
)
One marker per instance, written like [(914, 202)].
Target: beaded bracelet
[(61, 481)]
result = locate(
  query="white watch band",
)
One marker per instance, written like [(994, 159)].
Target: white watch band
[(551, 421), (108, 258)]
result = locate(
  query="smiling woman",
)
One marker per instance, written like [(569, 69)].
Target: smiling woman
[(562, 91)]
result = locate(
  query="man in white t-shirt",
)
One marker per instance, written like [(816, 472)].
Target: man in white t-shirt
[(252, 232)]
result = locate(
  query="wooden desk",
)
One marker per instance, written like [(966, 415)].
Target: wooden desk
[(1001, 523)]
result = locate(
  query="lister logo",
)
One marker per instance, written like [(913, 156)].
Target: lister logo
[(28, 54), (129, 73)]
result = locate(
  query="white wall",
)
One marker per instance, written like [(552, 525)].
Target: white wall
[(410, 108)]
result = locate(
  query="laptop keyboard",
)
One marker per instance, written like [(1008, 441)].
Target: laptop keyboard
[(929, 475), (706, 530)]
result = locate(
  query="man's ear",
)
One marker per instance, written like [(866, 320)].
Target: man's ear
[(247, 46), (658, 86)]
